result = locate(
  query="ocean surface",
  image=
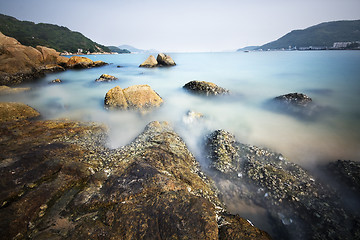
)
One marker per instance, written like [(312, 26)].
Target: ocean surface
[(330, 78)]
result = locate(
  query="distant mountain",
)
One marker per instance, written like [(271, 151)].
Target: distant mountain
[(321, 35), (248, 48), (60, 38), (135, 50), (118, 50)]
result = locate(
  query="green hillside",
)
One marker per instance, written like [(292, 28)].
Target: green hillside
[(322, 35), (118, 50), (60, 38)]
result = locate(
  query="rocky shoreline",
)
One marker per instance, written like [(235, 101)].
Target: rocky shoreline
[(61, 181)]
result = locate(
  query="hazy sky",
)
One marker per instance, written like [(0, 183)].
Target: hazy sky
[(183, 25)]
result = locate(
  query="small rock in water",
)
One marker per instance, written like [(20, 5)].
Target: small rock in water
[(192, 117), (55, 81), (205, 88), (106, 78)]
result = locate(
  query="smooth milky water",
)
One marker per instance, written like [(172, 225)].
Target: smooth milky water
[(330, 78)]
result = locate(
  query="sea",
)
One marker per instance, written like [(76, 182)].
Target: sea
[(330, 78)]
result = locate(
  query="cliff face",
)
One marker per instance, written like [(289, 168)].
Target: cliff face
[(59, 181)]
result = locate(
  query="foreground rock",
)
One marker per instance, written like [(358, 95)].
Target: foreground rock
[(19, 63), (299, 206), (106, 78), (60, 182), (346, 172), (5, 90), (12, 111), (165, 60), (297, 104), (205, 88), (137, 97), (162, 60)]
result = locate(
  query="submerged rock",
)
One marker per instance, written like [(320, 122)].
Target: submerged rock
[(299, 206), (205, 88), (297, 104), (165, 60), (4, 90), (150, 62), (60, 181), (137, 97), (13, 111), (106, 78)]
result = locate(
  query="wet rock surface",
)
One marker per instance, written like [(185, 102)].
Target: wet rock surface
[(13, 111), (59, 181), (205, 88), (347, 172), (298, 205), (297, 104), (83, 62)]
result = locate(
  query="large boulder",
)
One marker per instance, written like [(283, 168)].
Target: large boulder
[(79, 62), (12, 111), (299, 206), (59, 181), (137, 97), (142, 97), (150, 62), (205, 88), (20, 63), (165, 60), (17, 62), (115, 99), (50, 55), (83, 62)]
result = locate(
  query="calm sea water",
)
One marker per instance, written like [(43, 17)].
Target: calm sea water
[(330, 78)]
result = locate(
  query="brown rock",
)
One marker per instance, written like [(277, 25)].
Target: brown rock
[(51, 68), (142, 97), (62, 61), (150, 62), (50, 55), (115, 99), (56, 81), (165, 60), (137, 97), (11, 111), (8, 90), (79, 62), (106, 78)]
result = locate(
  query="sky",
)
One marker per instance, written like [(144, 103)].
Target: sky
[(183, 26)]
